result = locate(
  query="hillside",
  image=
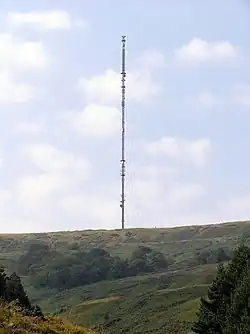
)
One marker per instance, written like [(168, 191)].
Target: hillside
[(170, 241), (144, 304), (13, 321), (149, 301)]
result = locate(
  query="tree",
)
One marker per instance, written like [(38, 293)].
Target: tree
[(156, 261), (15, 291), (221, 255), (227, 304), (208, 315), (2, 283), (145, 259), (11, 290), (218, 255), (238, 314), (63, 271), (141, 252)]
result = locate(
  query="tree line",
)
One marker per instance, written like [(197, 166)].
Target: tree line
[(211, 256), (59, 271), (226, 308), (45, 267), (12, 290)]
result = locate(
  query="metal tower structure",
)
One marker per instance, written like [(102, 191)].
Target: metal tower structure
[(123, 160)]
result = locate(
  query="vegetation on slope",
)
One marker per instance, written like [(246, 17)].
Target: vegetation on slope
[(226, 308), (48, 268), (17, 315), (13, 320), (162, 300), (11, 290), (143, 304), (169, 241)]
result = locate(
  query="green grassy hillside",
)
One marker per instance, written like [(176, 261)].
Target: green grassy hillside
[(179, 242), (159, 302), (13, 321), (142, 304)]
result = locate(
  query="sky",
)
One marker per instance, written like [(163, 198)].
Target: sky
[(187, 113)]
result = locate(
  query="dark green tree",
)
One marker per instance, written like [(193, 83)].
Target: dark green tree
[(15, 291), (238, 311), (208, 315), (228, 296), (218, 255), (2, 283), (11, 290)]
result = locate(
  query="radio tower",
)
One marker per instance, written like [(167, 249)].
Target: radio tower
[(123, 161)]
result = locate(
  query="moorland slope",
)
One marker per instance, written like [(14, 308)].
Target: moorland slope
[(127, 286)]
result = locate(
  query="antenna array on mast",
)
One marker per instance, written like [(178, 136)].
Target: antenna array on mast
[(123, 161)]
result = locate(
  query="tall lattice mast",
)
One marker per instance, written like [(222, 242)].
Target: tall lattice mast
[(123, 161)]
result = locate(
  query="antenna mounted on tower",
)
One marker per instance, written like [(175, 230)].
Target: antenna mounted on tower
[(123, 160)]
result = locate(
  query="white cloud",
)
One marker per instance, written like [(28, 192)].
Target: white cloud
[(95, 120), (29, 127), (157, 197), (102, 95), (12, 91), (49, 158), (181, 150), (50, 199), (37, 195), (17, 54), (141, 87), (33, 189), (106, 88), (41, 20), (199, 51)]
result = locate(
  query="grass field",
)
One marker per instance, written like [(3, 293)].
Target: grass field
[(163, 302)]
